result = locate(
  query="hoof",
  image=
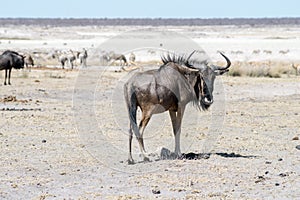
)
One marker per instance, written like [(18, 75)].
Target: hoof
[(130, 161)]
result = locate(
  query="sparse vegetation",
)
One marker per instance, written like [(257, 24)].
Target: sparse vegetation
[(260, 69)]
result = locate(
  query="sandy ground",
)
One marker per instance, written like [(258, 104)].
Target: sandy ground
[(65, 134)]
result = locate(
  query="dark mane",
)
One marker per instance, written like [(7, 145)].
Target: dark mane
[(9, 51), (181, 59)]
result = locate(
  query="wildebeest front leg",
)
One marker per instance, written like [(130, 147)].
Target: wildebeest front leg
[(176, 118), (5, 77), (9, 73)]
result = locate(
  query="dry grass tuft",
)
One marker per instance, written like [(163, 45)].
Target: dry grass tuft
[(261, 69)]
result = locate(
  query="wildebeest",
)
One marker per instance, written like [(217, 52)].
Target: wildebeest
[(82, 56), (177, 82), (8, 60)]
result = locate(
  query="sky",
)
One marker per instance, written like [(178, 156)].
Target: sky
[(150, 8)]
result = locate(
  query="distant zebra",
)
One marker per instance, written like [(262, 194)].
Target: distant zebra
[(61, 57), (297, 69), (28, 61), (82, 56), (132, 59), (71, 58), (113, 57), (65, 57)]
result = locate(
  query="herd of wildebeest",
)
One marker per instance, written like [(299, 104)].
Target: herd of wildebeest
[(179, 80)]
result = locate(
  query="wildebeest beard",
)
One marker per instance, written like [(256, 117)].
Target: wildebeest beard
[(201, 92)]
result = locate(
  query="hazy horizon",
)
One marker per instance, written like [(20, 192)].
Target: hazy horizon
[(150, 9)]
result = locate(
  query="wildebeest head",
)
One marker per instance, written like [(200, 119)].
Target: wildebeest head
[(208, 74), (201, 75)]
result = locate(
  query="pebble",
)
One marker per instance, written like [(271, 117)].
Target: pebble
[(298, 147), (44, 141), (155, 191), (295, 138)]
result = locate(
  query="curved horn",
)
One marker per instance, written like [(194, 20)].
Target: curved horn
[(228, 63), (190, 55)]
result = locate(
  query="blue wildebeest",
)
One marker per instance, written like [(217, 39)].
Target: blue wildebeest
[(8, 60), (177, 82)]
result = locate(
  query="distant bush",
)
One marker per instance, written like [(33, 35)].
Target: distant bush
[(260, 69)]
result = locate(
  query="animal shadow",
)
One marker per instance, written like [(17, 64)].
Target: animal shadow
[(166, 154)]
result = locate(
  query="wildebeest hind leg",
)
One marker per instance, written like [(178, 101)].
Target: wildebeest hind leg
[(142, 126), (130, 159)]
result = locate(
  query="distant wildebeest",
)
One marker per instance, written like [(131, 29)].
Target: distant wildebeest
[(297, 69), (113, 57), (257, 51), (82, 56), (236, 52), (28, 61), (8, 60), (178, 81), (267, 52), (284, 52)]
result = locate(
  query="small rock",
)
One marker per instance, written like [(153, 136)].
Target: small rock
[(295, 138), (277, 184), (63, 173), (44, 141), (298, 147), (280, 159), (283, 174), (260, 179), (155, 191), (268, 162)]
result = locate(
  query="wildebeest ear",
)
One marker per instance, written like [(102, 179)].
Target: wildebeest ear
[(185, 70)]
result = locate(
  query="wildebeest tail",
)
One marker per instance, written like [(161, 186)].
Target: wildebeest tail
[(131, 103)]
